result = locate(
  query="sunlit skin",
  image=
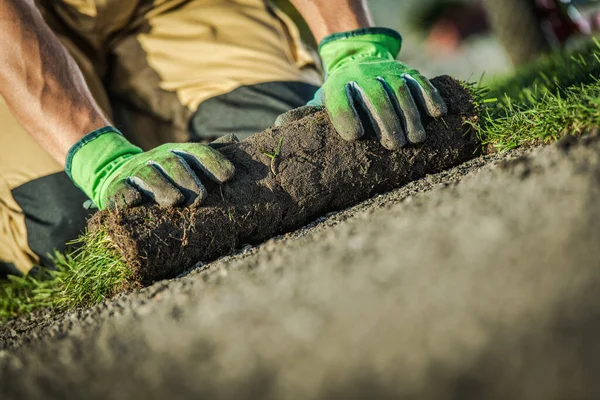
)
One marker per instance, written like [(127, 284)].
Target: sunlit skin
[(46, 91), (325, 17), (41, 82)]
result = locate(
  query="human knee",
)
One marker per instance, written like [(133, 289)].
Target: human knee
[(52, 215)]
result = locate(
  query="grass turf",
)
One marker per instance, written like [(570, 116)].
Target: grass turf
[(82, 278), (556, 95), (574, 111), (542, 102)]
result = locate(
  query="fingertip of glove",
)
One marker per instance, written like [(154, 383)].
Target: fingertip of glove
[(439, 109), (223, 141), (282, 120), (417, 136), (350, 128), (126, 197), (221, 172), (395, 142), (443, 108), (296, 114), (350, 134), (227, 173), (173, 199), (199, 199)]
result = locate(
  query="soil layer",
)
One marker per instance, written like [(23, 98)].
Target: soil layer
[(484, 289), (285, 177)]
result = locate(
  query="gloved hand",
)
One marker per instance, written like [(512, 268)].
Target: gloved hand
[(362, 74), (110, 170)]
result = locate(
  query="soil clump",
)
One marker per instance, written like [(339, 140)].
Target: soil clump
[(285, 177)]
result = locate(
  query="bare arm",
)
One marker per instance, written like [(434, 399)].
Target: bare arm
[(325, 17), (41, 83)]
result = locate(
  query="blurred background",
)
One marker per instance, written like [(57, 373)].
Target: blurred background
[(444, 37), (456, 37)]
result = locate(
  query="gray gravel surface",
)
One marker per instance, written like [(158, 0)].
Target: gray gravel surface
[(480, 282)]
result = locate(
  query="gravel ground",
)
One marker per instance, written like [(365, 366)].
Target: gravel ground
[(479, 282)]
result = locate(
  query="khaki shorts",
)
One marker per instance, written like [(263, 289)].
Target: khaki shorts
[(164, 70)]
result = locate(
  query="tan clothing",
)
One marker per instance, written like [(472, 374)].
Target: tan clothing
[(159, 61), (165, 57)]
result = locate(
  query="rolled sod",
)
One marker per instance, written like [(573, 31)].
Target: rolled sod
[(285, 177)]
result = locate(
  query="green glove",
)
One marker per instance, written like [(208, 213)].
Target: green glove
[(110, 170), (365, 85)]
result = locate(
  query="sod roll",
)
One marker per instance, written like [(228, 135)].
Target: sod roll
[(285, 177)]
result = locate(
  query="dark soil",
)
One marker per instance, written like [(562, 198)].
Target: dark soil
[(314, 172), (480, 282), (46, 324)]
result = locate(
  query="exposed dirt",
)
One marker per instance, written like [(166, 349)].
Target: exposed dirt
[(483, 289), (46, 324), (285, 177)]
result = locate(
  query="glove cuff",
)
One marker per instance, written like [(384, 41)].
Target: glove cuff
[(361, 32), (92, 159), (375, 43)]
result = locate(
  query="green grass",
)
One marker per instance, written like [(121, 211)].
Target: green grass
[(541, 102), (92, 273), (572, 111), (550, 74), (273, 156)]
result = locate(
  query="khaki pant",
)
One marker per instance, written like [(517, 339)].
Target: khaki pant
[(150, 65)]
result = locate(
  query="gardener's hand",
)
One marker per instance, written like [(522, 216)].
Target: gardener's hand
[(112, 171), (365, 85)]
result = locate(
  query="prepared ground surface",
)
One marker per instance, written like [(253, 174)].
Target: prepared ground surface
[(481, 282)]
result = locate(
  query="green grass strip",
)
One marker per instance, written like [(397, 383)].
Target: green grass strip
[(573, 111), (553, 73), (92, 273), (555, 95)]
